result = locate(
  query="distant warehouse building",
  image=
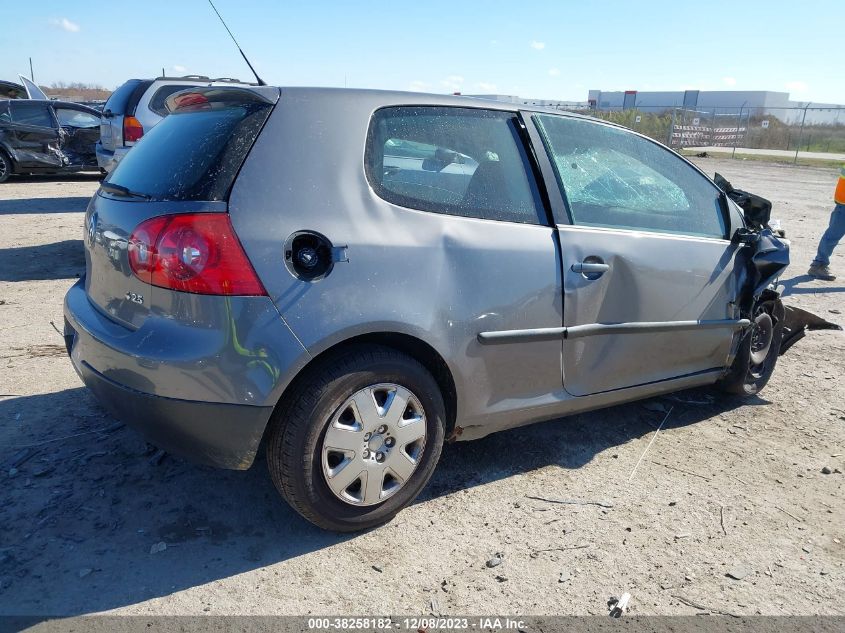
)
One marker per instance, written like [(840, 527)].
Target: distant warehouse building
[(759, 102), (546, 103)]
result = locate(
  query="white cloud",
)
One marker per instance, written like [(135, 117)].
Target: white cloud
[(494, 42), (485, 86), (453, 83), (65, 25), (729, 81), (796, 86), (419, 86), (179, 69), (538, 46), (554, 72)]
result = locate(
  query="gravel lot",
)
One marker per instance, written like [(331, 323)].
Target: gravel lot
[(727, 486)]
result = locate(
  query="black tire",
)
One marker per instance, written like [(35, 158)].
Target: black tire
[(294, 446), (753, 366), (5, 166)]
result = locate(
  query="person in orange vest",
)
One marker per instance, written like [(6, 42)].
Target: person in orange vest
[(820, 268)]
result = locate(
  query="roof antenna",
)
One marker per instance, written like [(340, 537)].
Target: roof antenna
[(257, 78)]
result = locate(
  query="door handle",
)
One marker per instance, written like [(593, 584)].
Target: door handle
[(590, 267)]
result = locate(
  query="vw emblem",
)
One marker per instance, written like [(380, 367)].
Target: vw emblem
[(92, 228)]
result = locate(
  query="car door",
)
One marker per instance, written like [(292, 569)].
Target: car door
[(35, 134), (80, 130), (649, 285)]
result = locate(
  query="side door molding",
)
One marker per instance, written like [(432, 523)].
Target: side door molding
[(592, 329)]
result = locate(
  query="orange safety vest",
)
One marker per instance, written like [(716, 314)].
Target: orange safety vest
[(839, 195)]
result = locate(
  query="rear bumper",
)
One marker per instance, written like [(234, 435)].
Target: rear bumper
[(203, 389), (221, 435), (107, 159)]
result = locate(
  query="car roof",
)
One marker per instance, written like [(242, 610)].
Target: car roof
[(11, 84), (380, 98), (200, 80), (54, 102)]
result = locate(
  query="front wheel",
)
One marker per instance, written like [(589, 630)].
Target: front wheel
[(758, 351), (357, 439)]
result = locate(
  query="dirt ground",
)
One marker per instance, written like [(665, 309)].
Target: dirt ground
[(726, 487)]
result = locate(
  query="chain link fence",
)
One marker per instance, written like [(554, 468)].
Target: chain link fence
[(795, 135)]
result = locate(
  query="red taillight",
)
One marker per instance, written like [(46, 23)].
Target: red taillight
[(132, 129), (192, 252), (191, 101)]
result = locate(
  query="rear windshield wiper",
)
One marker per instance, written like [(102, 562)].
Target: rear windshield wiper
[(120, 190)]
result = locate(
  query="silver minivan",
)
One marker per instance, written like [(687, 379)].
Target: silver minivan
[(136, 107), (351, 278)]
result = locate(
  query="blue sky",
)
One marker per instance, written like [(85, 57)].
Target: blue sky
[(552, 49)]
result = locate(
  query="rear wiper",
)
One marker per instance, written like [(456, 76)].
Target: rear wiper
[(122, 191)]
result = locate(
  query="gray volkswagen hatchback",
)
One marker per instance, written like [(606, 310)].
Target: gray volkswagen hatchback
[(353, 277)]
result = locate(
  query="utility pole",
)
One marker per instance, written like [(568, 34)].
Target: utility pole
[(671, 129), (800, 133), (738, 123)]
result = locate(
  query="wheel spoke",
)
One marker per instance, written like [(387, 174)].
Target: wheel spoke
[(372, 484), (401, 465), (394, 409), (345, 475), (410, 431), (366, 410), (344, 440)]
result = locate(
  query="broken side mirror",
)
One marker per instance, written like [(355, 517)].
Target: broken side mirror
[(745, 236)]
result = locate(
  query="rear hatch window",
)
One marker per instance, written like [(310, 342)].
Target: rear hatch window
[(157, 102), (121, 102), (124, 99), (196, 151)]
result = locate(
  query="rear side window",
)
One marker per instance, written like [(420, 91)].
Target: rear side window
[(458, 161), (124, 99), (69, 117), (615, 179), (157, 103), (11, 91), (30, 113), (193, 154)]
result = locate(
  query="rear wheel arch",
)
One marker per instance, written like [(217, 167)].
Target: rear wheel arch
[(407, 344)]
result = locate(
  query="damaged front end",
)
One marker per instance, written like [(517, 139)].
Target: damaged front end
[(765, 256), (44, 137)]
